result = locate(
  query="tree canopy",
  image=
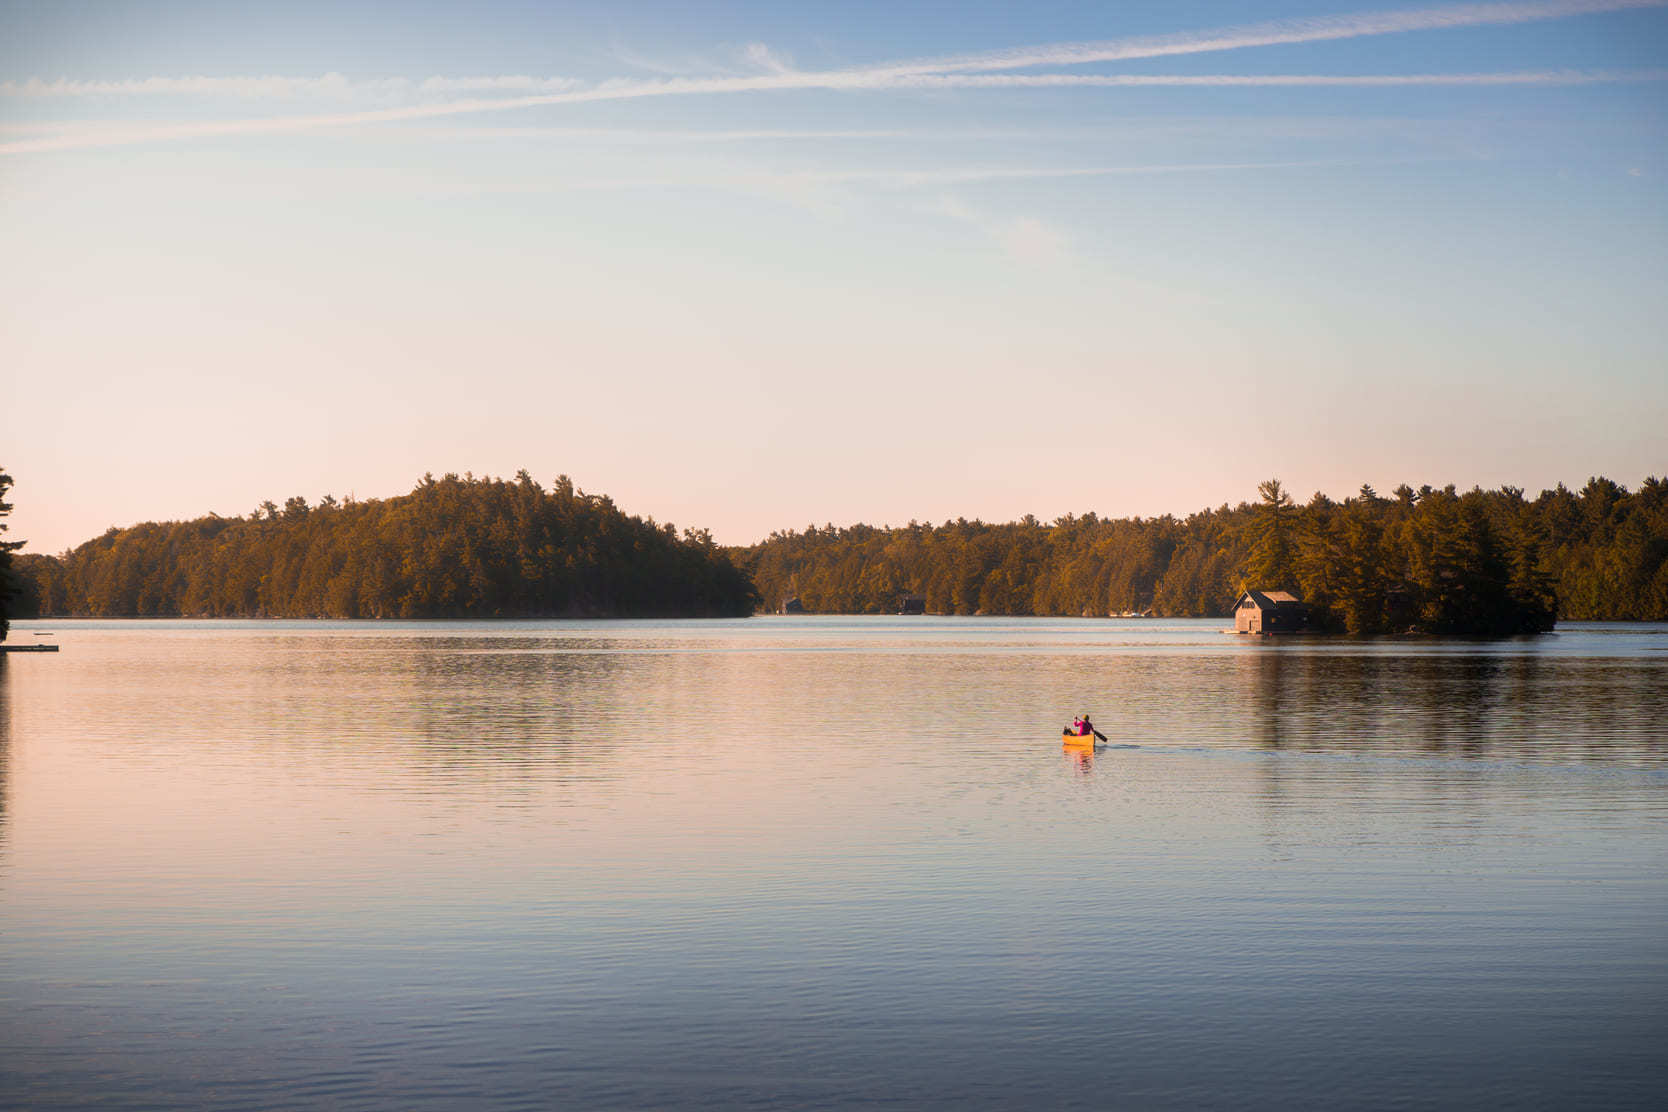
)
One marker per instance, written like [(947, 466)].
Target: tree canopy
[(453, 547), (1435, 560)]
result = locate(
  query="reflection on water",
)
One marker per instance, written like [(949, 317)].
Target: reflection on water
[(5, 753), (830, 862), (1080, 751), (1474, 705)]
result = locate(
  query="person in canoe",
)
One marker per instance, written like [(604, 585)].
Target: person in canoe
[(1082, 727)]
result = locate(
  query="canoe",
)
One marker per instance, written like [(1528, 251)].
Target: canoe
[(1071, 740)]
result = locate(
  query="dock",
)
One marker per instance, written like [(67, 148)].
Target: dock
[(28, 648)]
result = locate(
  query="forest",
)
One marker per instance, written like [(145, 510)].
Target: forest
[(1428, 560), (1432, 560), (452, 548)]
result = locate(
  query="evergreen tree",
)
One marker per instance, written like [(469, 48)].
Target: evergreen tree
[(1271, 564), (9, 587)]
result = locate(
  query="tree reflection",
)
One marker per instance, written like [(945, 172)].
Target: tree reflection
[(1458, 711), (5, 750), (1270, 686)]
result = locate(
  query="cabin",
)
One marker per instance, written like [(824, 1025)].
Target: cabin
[(1269, 612), (912, 604), (793, 605)]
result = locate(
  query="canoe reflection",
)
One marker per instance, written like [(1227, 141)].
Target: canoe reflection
[(1081, 750)]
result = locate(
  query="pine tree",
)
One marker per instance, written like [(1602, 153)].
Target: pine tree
[(1271, 564), (8, 584)]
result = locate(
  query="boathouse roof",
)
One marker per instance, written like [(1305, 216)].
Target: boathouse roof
[(1268, 600)]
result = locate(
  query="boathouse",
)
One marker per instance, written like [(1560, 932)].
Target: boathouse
[(1269, 612), (912, 604), (793, 605)]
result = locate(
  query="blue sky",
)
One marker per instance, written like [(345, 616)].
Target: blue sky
[(751, 266)]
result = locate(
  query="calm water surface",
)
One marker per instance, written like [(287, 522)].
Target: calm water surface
[(827, 862)]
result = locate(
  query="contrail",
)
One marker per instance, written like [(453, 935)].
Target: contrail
[(98, 137), (965, 71), (1279, 32), (1114, 80), (273, 86)]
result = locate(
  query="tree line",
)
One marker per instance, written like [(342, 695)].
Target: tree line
[(1481, 561), (1437, 560), (453, 547)]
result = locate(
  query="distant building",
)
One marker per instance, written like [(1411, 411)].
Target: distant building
[(793, 606), (1269, 612), (912, 604)]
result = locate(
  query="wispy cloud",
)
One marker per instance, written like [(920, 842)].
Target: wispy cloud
[(687, 65), (1117, 80), (767, 59), (561, 90), (960, 71), (820, 182), (1026, 239), (1280, 32), (826, 186), (327, 85), (959, 175), (272, 86), (510, 83), (780, 72), (656, 135), (1033, 240), (91, 137)]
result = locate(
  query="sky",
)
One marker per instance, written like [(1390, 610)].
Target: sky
[(756, 266)]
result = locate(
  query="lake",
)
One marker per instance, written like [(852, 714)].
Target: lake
[(825, 862)]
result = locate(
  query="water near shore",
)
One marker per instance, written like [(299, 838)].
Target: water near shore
[(826, 862)]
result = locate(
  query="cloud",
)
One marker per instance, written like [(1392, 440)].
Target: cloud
[(838, 80), (760, 55), (825, 190), (1279, 32), (778, 66), (1025, 238), (654, 135), (669, 67), (1231, 80), (958, 175), (508, 83), (274, 87), (962, 71), (823, 182), (269, 86)]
